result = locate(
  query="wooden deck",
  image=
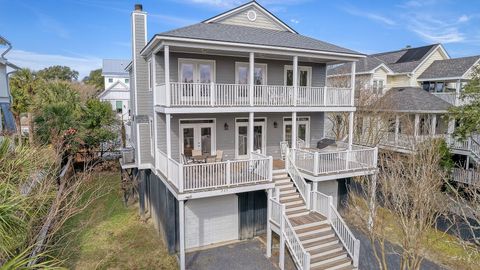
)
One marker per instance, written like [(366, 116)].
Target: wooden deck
[(311, 217), (278, 164)]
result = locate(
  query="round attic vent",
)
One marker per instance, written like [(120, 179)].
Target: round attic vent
[(252, 15)]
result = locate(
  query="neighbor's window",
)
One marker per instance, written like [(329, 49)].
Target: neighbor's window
[(127, 80), (118, 106), (110, 80)]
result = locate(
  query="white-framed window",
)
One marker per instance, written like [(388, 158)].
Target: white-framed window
[(378, 86), (303, 129), (150, 75), (127, 80), (196, 70), (304, 75), (110, 80), (242, 73)]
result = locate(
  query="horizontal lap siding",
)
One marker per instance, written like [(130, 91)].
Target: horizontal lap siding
[(225, 68), (144, 95), (161, 133), (262, 20), (225, 139)]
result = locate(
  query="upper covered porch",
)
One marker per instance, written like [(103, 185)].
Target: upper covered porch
[(255, 69)]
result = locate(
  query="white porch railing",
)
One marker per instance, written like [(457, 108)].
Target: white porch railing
[(238, 95), (449, 97), (215, 175), (323, 204), (300, 255), (303, 187), (468, 177), (318, 163)]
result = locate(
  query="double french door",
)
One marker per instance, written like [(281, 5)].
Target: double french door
[(195, 77), (197, 136)]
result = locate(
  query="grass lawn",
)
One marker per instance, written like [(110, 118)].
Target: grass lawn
[(109, 235), (439, 247)]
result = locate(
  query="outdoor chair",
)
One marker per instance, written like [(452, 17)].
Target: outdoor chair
[(219, 156)]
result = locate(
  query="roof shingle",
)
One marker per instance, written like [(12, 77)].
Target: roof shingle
[(115, 67), (252, 35), (412, 99), (449, 68)]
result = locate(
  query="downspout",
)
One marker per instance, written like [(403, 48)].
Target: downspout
[(8, 44)]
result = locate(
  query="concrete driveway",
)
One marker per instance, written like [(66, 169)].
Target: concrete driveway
[(249, 254)]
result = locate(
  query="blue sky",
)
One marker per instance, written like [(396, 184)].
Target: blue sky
[(79, 33)]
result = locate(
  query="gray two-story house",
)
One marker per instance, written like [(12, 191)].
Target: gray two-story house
[(229, 121)]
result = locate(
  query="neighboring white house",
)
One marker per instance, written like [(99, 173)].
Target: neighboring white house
[(117, 86), (6, 118), (117, 89)]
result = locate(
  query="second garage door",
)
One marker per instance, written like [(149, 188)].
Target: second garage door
[(211, 220)]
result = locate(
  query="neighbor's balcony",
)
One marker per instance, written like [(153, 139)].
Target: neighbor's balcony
[(469, 177), (215, 175), (325, 162), (238, 95), (452, 98)]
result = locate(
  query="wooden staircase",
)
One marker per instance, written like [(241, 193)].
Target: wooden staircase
[(315, 233)]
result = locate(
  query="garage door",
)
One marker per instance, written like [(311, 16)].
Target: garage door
[(211, 220)]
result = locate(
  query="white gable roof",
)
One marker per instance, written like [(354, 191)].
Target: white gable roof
[(118, 86), (251, 14)]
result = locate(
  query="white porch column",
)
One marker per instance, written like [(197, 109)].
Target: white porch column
[(433, 128), (416, 130), (251, 125), (350, 130), (294, 130), (397, 128), (181, 220), (352, 83), (251, 76), (467, 164), (167, 128), (295, 80), (269, 228), (458, 88), (166, 51)]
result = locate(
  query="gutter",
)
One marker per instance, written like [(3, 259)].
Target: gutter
[(8, 44)]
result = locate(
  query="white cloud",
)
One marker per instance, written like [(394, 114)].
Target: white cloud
[(235, 3), (463, 18), (49, 24), (433, 29), (295, 21), (371, 16), (37, 61)]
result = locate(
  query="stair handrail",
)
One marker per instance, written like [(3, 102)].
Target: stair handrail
[(474, 147), (300, 254), (303, 187)]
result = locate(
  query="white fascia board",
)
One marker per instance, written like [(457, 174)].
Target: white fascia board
[(472, 67), (439, 47), (440, 79)]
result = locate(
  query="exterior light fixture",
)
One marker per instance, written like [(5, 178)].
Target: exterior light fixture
[(275, 124), (225, 127)]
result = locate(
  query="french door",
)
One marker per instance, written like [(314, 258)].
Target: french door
[(241, 136), (195, 77), (303, 130), (197, 136)]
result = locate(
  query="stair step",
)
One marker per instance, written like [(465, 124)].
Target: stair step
[(293, 202), (295, 212), (312, 229), (287, 188), (290, 195), (315, 252), (282, 180), (283, 184), (297, 198), (280, 176), (321, 243), (337, 264), (290, 206), (316, 236), (307, 225), (323, 259)]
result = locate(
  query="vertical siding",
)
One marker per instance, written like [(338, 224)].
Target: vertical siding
[(262, 20)]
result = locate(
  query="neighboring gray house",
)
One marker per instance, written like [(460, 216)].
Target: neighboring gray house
[(7, 123), (229, 136)]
